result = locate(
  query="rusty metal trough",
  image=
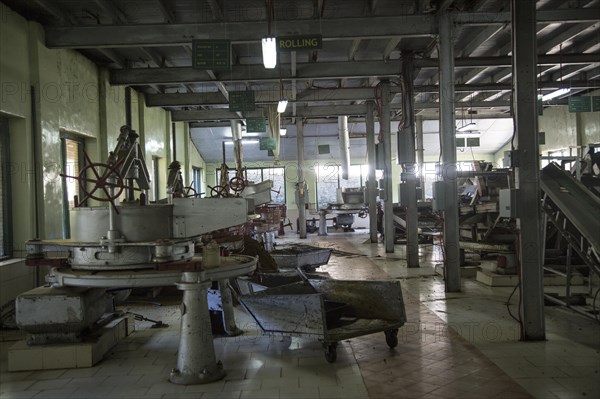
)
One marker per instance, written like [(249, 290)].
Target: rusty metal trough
[(330, 310)]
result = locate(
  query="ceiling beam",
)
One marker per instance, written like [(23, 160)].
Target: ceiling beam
[(112, 55), (444, 5), (353, 49), (570, 33), (114, 13), (332, 95), (390, 46), (54, 10), (563, 15), (314, 112), (245, 32), (216, 10), (167, 9), (319, 70), (237, 32), (319, 9), (486, 34)]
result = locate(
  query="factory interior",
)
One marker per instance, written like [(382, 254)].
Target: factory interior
[(237, 199)]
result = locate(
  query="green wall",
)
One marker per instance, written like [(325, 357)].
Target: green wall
[(72, 95)]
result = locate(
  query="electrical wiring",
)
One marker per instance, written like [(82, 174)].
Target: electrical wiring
[(508, 303)]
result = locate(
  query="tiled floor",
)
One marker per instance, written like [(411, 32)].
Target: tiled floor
[(461, 345)]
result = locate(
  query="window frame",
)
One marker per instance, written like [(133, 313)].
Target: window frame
[(64, 136), (5, 180)]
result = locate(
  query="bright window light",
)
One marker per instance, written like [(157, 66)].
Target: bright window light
[(282, 132), (269, 52), (282, 105), (557, 93)]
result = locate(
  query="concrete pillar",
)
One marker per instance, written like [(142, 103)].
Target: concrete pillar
[(301, 185), (527, 171), (388, 197), (196, 359), (448, 133), (371, 179)]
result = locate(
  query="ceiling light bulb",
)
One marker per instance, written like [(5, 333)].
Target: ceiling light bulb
[(468, 126), (557, 93), (282, 105), (269, 52), (282, 132)]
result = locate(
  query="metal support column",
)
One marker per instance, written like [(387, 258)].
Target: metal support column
[(301, 185), (371, 181), (196, 359), (448, 133), (527, 172), (388, 195), (406, 157), (420, 155)]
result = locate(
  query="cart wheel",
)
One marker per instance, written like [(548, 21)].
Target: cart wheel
[(391, 338), (331, 352)]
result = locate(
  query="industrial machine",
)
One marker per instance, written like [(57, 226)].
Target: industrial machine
[(132, 243), (350, 201)]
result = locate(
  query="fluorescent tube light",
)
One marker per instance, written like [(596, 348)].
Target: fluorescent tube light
[(557, 93), (468, 126), (269, 52), (282, 105), (244, 142)]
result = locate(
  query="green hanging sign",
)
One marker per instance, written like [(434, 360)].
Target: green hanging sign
[(268, 143)]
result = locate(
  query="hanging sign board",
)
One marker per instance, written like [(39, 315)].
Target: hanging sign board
[(242, 100), (267, 143), (305, 42), (256, 125), (595, 103), (580, 104), (211, 54)]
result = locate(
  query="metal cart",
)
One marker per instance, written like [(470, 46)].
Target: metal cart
[(330, 310)]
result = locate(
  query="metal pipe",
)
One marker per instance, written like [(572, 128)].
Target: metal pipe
[(344, 137), (174, 135), (301, 185), (527, 172), (447, 133), (371, 182), (388, 196), (231, 327)]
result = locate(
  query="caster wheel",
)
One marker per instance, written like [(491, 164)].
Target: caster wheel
[(331, 352), (391, 338)]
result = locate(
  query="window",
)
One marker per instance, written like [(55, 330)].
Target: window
[(197, 180), (5, 198), (328, 181), (257, 175), (430, 174), (72, 158)]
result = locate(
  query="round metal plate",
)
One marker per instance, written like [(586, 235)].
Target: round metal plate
[(231, 266)]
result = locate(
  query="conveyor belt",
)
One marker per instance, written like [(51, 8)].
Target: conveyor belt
[(578, 205)]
